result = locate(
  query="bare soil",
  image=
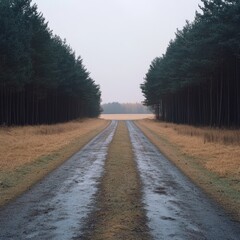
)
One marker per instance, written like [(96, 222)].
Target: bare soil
[(214, 166), (120, 213)]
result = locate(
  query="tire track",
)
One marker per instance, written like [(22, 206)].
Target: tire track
[(176, 208), (56, 207)]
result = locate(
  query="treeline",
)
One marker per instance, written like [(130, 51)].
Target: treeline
[(41, 79), (197, 80), (124, 108)]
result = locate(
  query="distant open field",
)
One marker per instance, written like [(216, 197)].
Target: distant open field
[(126, 116)]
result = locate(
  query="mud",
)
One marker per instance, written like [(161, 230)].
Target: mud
[(57, 207), (176, 208)]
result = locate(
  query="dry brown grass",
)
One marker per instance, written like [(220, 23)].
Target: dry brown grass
[(120, 214), (211, 157), (219, 150), (21, 145), (29, 153), (209, 135)]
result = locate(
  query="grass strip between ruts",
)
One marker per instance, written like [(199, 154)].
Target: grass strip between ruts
[(120, 213)]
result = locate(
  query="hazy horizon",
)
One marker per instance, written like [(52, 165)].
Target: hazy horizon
[(118, 39)]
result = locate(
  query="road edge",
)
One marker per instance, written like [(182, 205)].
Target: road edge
[(32, 174), (201, 177)]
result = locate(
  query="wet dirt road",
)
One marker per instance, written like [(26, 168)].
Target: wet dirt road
[(175, 207), (57, 207)]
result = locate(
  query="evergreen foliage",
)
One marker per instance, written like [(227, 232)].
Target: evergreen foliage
[(41, 79), (197, 80)]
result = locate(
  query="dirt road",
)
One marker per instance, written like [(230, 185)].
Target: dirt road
[(59, 207)]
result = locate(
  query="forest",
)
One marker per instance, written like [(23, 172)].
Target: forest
[(197, 80), (124, 108), (42, 81)]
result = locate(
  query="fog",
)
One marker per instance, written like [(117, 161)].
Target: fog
[(118, 39)]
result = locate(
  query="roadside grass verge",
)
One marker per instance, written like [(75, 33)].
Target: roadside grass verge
[(209, 135), (214, 165), (29, 153)]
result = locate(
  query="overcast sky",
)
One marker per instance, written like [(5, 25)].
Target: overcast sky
[(117, 39)]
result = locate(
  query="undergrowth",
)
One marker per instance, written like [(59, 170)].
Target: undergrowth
[(209, 135)]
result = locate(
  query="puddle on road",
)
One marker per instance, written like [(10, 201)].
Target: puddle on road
[(58, 206), (175, 208)]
